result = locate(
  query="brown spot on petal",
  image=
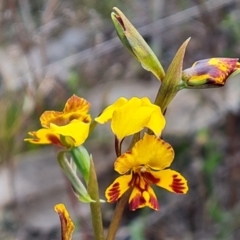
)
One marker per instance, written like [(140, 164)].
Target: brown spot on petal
[(74, 116), (35, 138), (60, 121), (177, 184), (154, 202), (137, 201), (86, 119), (114, 192), (116, 184), (54, 140), (150, 178), (67, 226), (76, 103)]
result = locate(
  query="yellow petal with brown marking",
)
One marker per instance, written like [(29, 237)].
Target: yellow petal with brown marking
[(67, 226)]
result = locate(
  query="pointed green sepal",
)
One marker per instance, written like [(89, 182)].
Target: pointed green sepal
[(171, 83), (135, 43), (81, 158), (78, 187)]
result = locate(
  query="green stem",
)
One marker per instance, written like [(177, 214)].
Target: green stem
[(96, 213), (165, 95), (135, 139), (92, 126), (117, 216), (80, 157)]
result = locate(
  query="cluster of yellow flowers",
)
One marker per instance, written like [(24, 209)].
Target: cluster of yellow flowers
[(141, 166), (147, 161)]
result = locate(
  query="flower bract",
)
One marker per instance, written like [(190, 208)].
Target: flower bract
[(68, 128), (67, 226), (131, 116), (212, 72), (145, 165), (135, 43)]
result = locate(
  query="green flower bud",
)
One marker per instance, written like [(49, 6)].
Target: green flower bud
[(78, 187), (209, 73), (135, 43), (81, 158)]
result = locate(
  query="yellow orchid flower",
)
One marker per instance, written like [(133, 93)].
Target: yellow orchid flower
[(212, 72), (131, 116), (67, 226), (67, 128), (143, 166)]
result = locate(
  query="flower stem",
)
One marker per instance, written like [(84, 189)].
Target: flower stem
[(117, 216), (117, 147), (96, 213), (135, 139), (92, 126)]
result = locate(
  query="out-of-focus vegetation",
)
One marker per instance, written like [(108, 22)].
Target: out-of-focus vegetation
[(52, 49)]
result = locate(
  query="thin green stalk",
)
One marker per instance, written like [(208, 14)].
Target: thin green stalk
[(135, 139), (92, 126), (96, 213), (165, 96), (117, 216)]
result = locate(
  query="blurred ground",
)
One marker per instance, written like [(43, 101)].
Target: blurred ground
[(52, 49)]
